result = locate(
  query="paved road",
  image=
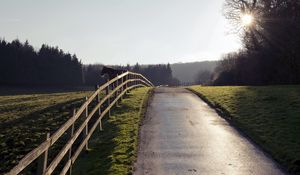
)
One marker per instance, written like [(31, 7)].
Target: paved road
[(182, 135)]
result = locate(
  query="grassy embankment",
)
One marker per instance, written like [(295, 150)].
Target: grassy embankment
[(269, 115), (25, 119), (113, 150)]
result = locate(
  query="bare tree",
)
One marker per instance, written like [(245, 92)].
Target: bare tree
[(270, 31)]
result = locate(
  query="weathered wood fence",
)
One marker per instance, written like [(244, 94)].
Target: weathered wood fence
[(114, 89)]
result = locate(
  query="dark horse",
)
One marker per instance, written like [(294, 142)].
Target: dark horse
[(111, 72)]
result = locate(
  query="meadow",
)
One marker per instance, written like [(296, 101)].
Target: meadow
[(269, 115), (25, 120)]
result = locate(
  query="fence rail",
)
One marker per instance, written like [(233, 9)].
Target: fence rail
[(114, 90)]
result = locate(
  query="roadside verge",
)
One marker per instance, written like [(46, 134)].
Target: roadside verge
[(114, 150)]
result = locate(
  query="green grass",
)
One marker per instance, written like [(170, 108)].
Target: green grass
[(25, 119), (114, 149), (269, 115)]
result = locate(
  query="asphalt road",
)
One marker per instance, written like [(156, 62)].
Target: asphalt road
[(182, 135)]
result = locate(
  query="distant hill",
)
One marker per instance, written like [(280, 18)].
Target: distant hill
[(186, 72)]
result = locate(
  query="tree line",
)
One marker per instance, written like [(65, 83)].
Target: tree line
[(160, 74), (21, 64), (271, 44)]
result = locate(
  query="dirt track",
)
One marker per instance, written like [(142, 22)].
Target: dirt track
[(182, 135)]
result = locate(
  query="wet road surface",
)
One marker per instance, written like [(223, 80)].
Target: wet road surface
[(182, 135)]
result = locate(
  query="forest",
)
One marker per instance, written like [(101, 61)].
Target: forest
[(158, 74), (22, 65), (271, 44)]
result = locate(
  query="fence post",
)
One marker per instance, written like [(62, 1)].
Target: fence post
[(71, 133), (42, 162), (136, 77), (130, 77), (100, 122), (126, 78), (99, 110), (134, 82), (117, 91), (98, 100), (122, 88), (108, 99), (98, 94), (87, 125), (112, 87), (129, 83)]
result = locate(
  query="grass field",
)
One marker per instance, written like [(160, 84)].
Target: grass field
[(25, 119), (269, 115), (114, 149)]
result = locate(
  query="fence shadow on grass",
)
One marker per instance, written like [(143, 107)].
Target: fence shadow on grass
[(113, 150), (20, 136)]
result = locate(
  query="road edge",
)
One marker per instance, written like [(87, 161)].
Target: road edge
[(143, 112)]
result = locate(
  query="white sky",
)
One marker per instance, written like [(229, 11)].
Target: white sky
[(122, 31)]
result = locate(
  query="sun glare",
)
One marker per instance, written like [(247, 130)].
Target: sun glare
[(247, 19)]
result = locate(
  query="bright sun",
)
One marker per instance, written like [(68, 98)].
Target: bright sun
[(247, 19)]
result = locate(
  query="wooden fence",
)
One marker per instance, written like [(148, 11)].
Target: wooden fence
[(114, 89)]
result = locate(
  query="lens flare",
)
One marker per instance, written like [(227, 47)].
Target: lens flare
[(247, 19)]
